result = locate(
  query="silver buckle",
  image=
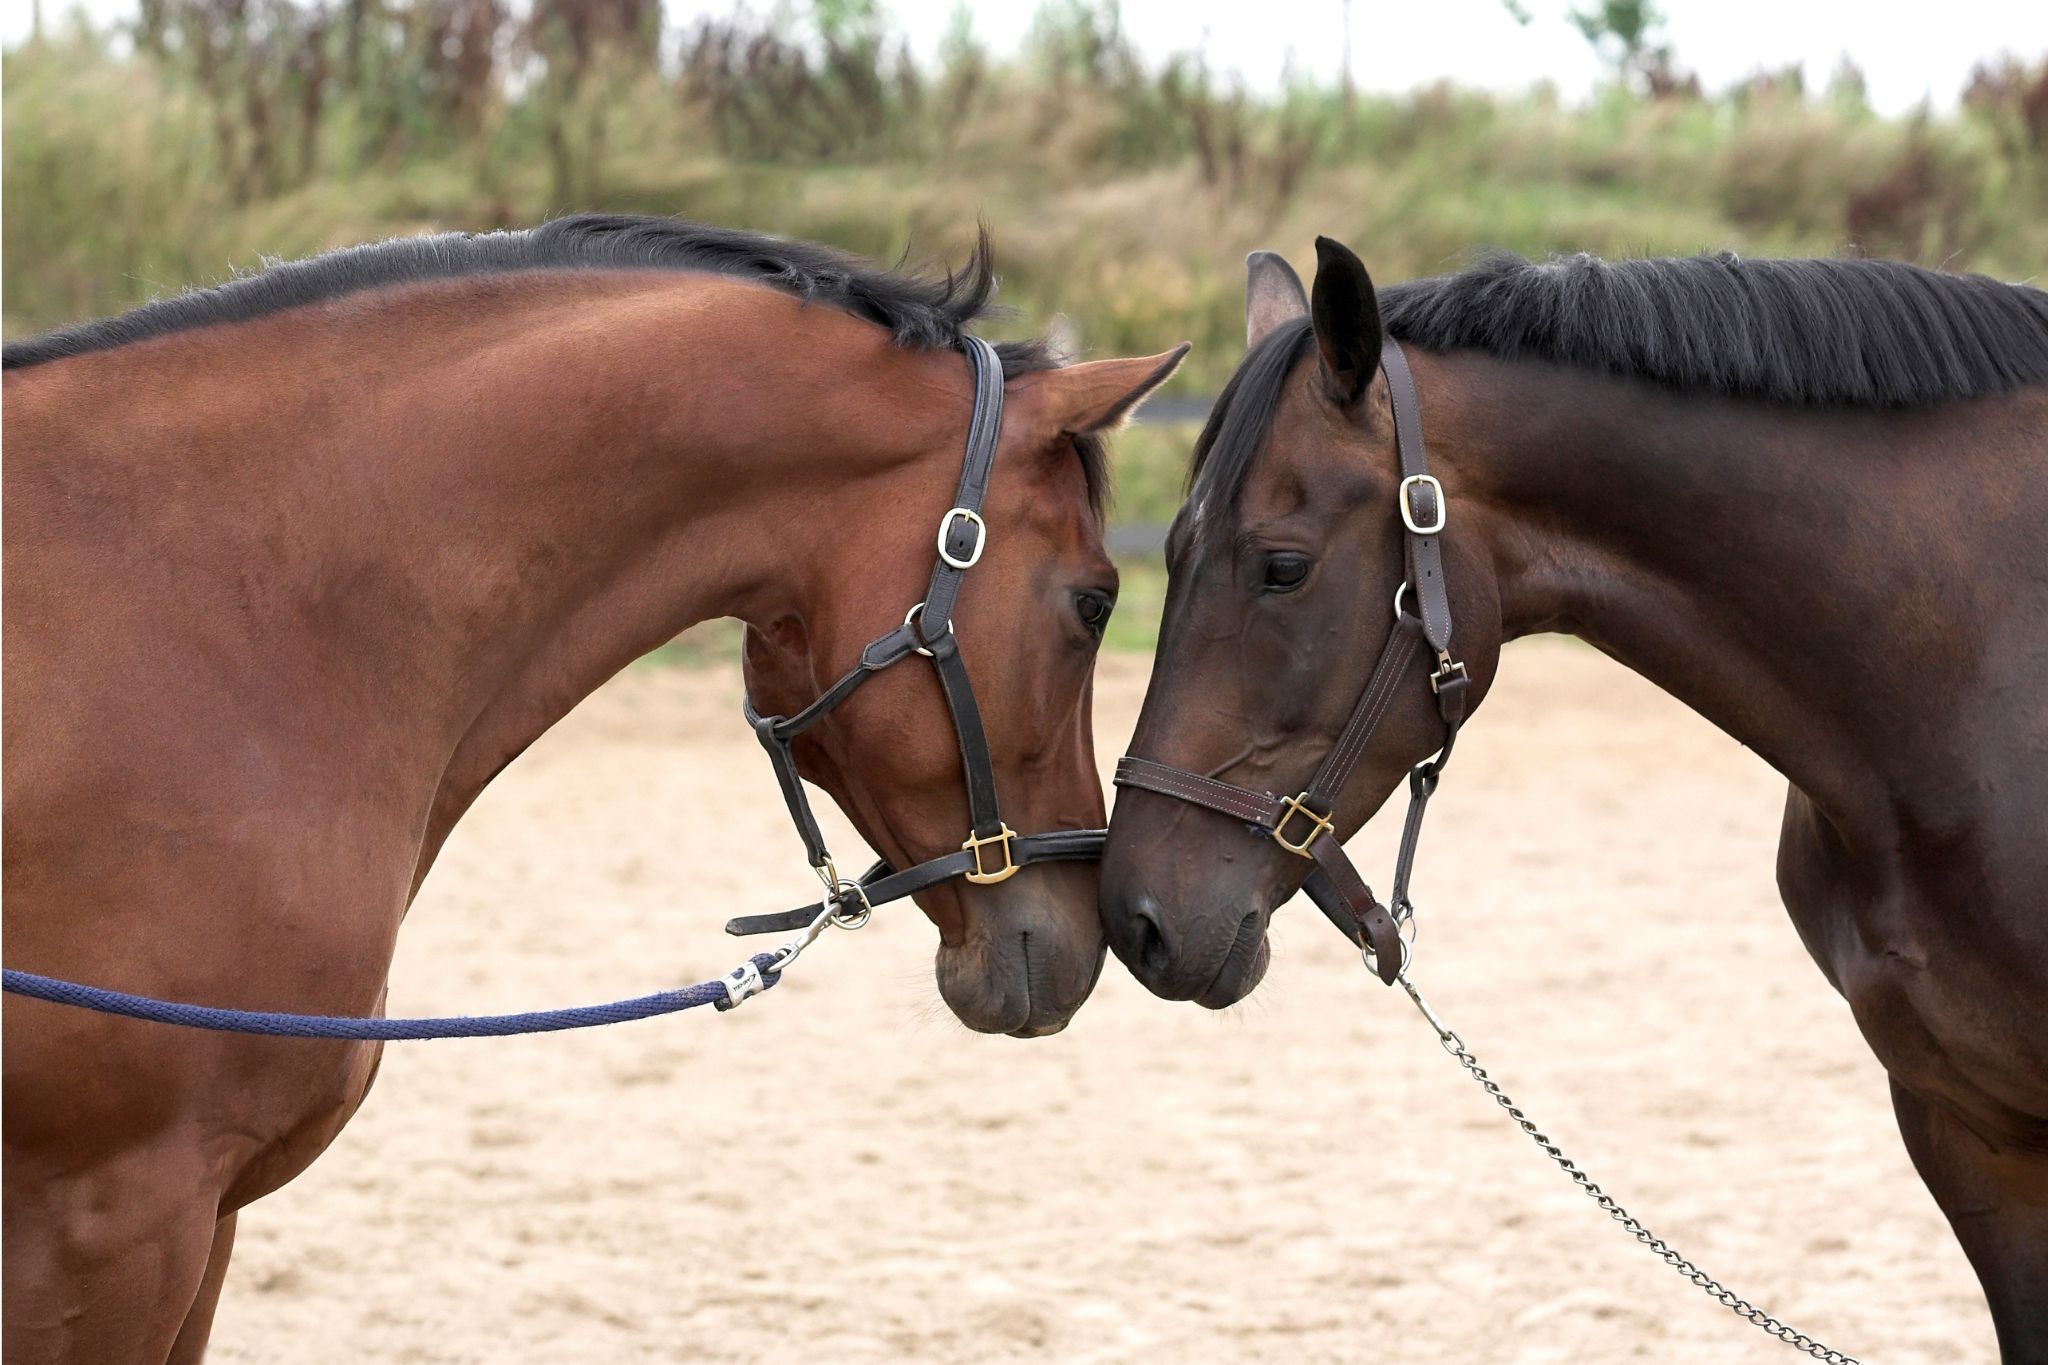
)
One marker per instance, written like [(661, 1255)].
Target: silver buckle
[(980, 537), (1404, 495)]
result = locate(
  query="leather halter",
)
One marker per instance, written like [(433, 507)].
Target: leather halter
[(992, 851), (1304, 825)]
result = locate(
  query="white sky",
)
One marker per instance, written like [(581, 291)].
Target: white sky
[(1908, 51)]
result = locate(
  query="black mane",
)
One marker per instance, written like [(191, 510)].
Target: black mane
[(1815, 332), (916, 310), (1872, 333)]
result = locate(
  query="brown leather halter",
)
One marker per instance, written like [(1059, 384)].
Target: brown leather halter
[(1304, 825), (993, 851)]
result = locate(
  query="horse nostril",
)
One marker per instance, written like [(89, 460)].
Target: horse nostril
[(1154, 958)]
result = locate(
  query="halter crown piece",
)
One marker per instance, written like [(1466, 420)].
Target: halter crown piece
[(1305, 824), (992, 851)]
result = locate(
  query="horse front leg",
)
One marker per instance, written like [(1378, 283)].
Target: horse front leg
[(105, 1263), (1997, 1202), (190, 1347)]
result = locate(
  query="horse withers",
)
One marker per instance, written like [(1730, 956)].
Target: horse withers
[(1807, 498), (297, 565)]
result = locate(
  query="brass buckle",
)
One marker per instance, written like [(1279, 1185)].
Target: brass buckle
[(981, 876), (1298, 805), (1447, 670)]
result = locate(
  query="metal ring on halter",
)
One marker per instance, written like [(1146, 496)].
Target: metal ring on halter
[(1372, 963), (1399, 593), (848, 919), (836, 889), (912, 615)]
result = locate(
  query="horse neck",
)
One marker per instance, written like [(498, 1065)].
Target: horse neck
[(1806, 579), (572, 472)]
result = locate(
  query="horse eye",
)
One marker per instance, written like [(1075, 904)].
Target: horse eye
[(1094, 608), (1285, 573)]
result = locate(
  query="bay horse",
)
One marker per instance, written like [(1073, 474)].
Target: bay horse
[(297, 565), (1807, 498)]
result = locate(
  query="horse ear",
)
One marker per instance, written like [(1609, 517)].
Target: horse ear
[(1346, 314), (1272, 295), (1097, 395)]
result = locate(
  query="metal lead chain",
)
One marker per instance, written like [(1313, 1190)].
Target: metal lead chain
[(1714, 1289)]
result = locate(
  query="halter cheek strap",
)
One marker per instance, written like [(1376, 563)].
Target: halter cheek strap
[(992, 851), (1305, 824)]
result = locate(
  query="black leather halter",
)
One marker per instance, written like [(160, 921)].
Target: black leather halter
[(992, 851), (1304, 824)]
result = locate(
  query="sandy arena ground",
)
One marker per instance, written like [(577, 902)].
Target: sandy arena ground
[(839, 1172)]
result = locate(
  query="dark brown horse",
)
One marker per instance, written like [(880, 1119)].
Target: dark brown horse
[(1809, 499), (297, 565)]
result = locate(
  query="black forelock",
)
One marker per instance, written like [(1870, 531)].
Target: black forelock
[(1243, 414)]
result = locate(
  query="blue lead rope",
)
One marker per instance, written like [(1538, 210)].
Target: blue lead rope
[(725, 992)]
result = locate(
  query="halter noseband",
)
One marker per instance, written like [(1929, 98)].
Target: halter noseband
[(1304, 825), (992, 851)]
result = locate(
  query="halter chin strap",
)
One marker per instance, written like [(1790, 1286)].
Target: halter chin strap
[(1305, 825), (992, 851)]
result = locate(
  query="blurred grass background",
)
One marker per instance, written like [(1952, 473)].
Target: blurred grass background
[(212, 134)]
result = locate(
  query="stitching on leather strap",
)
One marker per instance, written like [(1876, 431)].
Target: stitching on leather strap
[(1209, 792), (1388, 675)]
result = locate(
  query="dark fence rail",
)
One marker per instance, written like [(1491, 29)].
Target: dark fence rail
[(1176, 409)]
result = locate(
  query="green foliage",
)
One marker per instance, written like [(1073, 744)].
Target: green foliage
[(1140, 603), (1122, 194), (1626, 35), (1619, 29), (1150, 465)]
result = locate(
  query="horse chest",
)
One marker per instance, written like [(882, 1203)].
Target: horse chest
[(1935, 986)]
